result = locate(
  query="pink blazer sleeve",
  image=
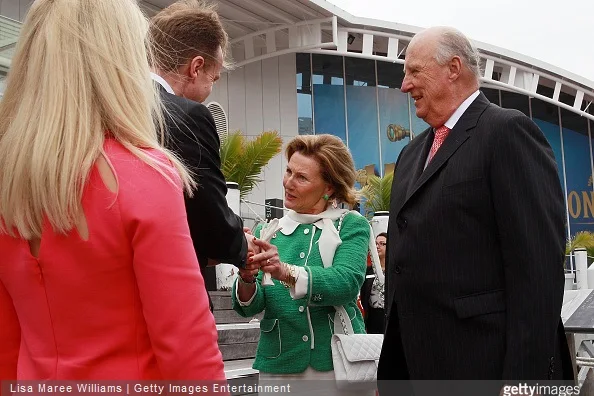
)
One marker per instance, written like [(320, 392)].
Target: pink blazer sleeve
[(175, 304), (10, 336)]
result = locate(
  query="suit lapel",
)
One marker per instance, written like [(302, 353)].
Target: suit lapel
[(419, 164), (455, 139)]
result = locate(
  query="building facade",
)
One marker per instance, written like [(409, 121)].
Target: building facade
[(307, 67)]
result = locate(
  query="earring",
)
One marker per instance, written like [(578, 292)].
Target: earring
[(334, 203), (326, 197)]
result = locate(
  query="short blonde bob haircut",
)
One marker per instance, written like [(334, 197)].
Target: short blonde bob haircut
[(335, 160), (80, 71)]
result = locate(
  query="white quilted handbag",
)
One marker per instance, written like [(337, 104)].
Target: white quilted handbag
[(355, 356)]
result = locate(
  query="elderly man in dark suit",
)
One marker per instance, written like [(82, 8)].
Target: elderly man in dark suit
[(189, 47), (476, 232)]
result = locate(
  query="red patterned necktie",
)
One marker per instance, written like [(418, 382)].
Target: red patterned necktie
[(440, 134)]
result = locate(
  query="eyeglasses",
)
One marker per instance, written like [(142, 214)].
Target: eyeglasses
[(380, 244)]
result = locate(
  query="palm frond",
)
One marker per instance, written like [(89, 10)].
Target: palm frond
[(583, 239), (377, 193), (386, 190), (231, 151), (243, 161)]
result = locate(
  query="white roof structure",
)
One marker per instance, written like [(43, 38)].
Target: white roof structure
[(261, 29)]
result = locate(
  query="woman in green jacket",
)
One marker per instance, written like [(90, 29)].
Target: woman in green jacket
[(317, 261)]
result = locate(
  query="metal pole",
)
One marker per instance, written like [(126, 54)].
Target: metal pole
[(581, 266)]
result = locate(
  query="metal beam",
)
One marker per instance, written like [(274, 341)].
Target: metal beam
[(303, 36), (5, 62), (244, 29), (271, 10), (7, 44), (284, 27), (298, 9), (149, 7), (533, 78), (246, 15)]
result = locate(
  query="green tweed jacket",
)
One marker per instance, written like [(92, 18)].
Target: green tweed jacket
[(295, 334)]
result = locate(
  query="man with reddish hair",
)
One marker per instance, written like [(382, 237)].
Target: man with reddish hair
[(190, 46)]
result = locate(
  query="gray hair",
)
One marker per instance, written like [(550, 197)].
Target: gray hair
[(452, 43)]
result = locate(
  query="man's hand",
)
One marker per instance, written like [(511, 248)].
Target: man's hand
[(212, 262), (251, 269), (252, 247)]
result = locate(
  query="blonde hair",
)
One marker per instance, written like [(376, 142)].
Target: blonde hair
[(335, 160), (80, 70)]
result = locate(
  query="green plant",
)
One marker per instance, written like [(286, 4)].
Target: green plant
[(583, 239), (242, 160), (377, 192)]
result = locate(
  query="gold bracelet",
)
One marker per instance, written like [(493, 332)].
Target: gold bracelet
[(290, 274)]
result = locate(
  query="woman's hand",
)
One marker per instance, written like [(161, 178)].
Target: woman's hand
[(269, 260)]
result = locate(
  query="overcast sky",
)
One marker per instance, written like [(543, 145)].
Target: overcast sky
[(559, 32)]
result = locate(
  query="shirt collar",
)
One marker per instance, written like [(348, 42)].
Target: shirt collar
[(161, 81), (451, 123), (290, 221)]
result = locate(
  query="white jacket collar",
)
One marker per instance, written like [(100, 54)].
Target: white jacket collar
[(329, 239)]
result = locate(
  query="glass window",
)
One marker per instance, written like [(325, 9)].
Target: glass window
[(545, 90), (359, 72), (580, 197), (390, 75), (512, 100), (328, 95), (546, 116), (393, 113), (304, 107), (591, 135), (492, 95), (362, 113), (566, 98)]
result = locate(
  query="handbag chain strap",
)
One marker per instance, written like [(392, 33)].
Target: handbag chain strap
[(343, 322), (340, 310)]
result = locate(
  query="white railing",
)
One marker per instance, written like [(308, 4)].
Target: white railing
[(9, 33), (294, 37), (325, 37)]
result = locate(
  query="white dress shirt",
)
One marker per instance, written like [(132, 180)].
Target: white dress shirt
[(451, 122), (161, 81)]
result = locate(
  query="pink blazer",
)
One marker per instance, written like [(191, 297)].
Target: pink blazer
[(128, 303)]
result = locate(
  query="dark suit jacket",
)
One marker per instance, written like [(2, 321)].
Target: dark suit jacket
[(217, 232), (475, 254)]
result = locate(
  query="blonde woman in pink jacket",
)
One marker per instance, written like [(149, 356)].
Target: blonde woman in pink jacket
[(98, 275)]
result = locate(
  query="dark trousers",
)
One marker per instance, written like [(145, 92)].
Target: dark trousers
[(375, 321)]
